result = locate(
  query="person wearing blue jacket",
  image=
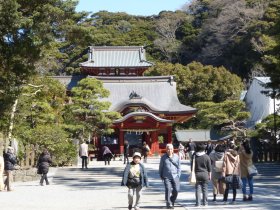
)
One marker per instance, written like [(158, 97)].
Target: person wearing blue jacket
[(170, 172)]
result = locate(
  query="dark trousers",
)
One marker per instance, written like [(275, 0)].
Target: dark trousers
[(84, 161), (107, 159), (44, 177), (226, 194), (125, 158), (172, 187)]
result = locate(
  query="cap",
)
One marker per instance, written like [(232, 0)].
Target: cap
[(136, 154)]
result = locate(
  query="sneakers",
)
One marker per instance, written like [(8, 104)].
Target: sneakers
[(250, 198), (225, 203), (245, 198), (130, 207), (137, 208)]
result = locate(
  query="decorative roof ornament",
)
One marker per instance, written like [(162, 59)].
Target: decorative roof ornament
[(134, 95)]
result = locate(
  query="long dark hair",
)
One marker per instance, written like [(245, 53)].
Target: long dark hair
[(247, 146)]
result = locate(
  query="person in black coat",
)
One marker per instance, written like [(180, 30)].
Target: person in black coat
[(125, 152), (9, 166), (44, 162)]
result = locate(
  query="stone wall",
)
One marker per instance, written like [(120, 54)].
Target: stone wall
[(25, 175)]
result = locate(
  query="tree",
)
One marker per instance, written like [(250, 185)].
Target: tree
[(39, 121), (196, 83), (166, 25), (31, 32), (228, 115), (90, 109)]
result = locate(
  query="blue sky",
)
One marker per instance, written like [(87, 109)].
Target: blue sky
[(132, 7)]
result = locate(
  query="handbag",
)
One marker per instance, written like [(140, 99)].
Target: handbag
[(252, 170), (133, 182), (192, 178), (229, 179), (218, 167)]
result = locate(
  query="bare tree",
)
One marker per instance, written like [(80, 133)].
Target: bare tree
[(226, 21), (166, 26)]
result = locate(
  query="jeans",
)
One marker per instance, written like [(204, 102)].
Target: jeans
[(172, 187), (131, 193), (201, 186), (84, 161), (250, 183)]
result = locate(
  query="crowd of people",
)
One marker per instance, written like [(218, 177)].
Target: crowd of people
[(225, 166)]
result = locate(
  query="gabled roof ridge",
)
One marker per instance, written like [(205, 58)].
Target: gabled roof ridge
[(116, 47)]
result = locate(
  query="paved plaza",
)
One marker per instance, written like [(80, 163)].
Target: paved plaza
[(98, 188)]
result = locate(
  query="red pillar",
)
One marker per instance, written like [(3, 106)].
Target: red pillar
[(155, 144), (169, 134), (121, 141)]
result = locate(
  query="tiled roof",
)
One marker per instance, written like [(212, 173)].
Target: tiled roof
[(116, 56), (158, 93)]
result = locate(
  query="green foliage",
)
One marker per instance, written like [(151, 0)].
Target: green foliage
[(89, 110), (265, 129), (33, 34), (226, 115), (196, 82), (39, 121)]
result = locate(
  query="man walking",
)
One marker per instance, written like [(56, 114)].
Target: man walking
[(84, 154), (170, 172)]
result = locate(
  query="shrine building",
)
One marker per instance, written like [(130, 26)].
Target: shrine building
[(148, 105)]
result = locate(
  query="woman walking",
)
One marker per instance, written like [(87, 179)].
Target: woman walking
[(231, 172), (135, 178), (246, 155), (217, 159), (43, 164)]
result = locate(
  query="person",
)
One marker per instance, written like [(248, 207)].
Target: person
[(217, 156), (1, 173), (202, 169), (181, 149), (170, 172), (126, 152), (191, 148), (9, 166), (209, 147), (43, 165), (246, 156), (135, 178), (145, 151), (107, 155), (231, 167), (84, 154)]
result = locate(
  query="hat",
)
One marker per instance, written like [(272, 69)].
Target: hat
[(136, 154)]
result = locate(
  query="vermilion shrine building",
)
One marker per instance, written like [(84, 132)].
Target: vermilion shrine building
[(149, 106)]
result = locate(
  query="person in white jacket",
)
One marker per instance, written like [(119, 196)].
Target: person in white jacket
[(83, 152)]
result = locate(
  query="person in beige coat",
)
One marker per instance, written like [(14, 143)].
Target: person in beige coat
[(217, 156), (231, 167), (246, 155), (1, 173)]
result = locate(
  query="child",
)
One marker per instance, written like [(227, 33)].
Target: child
[(135, 177)]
